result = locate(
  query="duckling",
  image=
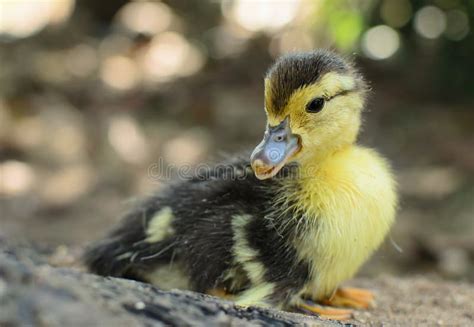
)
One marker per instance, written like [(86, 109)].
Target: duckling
[(283, 229)]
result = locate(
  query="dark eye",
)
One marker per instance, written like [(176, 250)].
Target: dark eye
[(315, 105)]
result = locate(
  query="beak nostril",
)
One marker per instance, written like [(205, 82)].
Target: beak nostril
[(279, 138)]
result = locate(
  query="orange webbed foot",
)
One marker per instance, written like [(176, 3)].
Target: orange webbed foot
[(325, 312), (351, 297)]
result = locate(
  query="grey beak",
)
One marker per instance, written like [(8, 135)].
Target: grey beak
[(278, 145)]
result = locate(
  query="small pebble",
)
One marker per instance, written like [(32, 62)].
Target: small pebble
[(140, 305)]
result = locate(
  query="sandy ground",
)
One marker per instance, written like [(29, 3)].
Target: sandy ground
[(417, 301), (409, 301)]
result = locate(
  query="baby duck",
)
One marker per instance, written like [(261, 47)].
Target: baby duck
[(287, 235)]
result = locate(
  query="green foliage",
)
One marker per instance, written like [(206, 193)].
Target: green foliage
[(345, 27), (344, 21)]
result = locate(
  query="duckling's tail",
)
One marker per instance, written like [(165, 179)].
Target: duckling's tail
[(129, 251)]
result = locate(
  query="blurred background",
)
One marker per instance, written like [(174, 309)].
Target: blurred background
[(94, 93)]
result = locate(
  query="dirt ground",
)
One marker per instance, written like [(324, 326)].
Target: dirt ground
[(36, 284), (417, 301)]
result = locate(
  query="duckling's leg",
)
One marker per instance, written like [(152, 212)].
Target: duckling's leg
[(351, 297)]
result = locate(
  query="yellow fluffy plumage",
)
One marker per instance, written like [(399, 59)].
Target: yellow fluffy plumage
[(346, 192), (349, 202)]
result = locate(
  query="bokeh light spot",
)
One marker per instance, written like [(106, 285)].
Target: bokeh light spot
[(145, 17), (260, 15), (67, 185), (16, 178), (119, 72), (69, 142), (22, 18), (396, 13), (380, 42), (127, 139), (430, 22), (170, 55), (457, 25)]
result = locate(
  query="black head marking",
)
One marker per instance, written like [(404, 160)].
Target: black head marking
[(296, 70)]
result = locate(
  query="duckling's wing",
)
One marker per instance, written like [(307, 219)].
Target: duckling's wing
[(219, 226), (171, 224)]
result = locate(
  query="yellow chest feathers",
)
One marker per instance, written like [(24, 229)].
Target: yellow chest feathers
[(349, 204)]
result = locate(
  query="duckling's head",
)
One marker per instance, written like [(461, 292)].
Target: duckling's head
[(313, 103)]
